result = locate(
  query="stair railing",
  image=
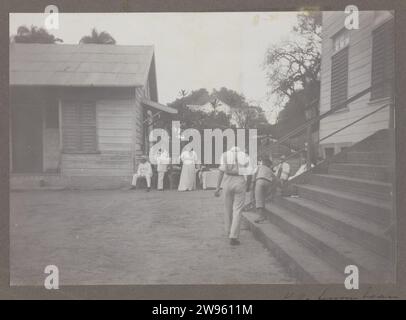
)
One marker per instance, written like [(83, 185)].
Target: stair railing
[(310, 145)]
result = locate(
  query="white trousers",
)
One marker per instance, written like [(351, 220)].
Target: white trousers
[(161, 176), (234, 198), (146, 176)]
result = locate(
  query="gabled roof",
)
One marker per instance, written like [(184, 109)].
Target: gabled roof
[(80, 65), (158, 106)]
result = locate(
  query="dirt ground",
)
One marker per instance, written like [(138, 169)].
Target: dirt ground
[(131, 237)]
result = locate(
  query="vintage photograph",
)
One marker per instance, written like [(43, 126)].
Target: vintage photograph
[(202, 148)]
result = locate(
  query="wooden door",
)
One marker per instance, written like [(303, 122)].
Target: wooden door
[(26, 137)]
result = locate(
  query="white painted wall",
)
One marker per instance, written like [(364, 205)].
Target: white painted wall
[(359, 78)]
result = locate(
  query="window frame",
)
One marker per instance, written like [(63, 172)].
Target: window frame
[(63, 126), (386, 95), (346, 108), (344, 32)]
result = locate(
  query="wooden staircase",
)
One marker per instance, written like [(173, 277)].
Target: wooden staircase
[(338, 217)]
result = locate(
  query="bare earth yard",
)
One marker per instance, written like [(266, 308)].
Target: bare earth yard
[(131, 237)]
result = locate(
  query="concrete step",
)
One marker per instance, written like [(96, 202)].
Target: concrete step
[(373, 158), (365, 233), (380, 140), (298, 260), (372, 145), (370, 188), (337, 251), (362, 171), (365, 207)]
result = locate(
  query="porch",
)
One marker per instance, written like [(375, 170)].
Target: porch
[(35, 146), (67, 137)]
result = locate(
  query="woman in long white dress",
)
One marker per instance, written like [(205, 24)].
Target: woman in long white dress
[(187, 181)]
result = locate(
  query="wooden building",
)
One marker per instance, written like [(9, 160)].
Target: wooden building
[(79, 112), (353, 60)]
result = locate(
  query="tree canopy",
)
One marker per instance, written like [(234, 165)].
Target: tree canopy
[(293, 70), (293, 64), (34, 35), (190, 118), (242, 114), (98, 38)]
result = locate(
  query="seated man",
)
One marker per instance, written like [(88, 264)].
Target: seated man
[(283, 172), (144, 171)]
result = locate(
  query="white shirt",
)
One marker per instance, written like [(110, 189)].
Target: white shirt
[(285, 170), (162, 161), (234, 161), (189, 157), (144, 169)]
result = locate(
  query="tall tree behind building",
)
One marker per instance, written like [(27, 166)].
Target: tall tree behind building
[(293, 70)]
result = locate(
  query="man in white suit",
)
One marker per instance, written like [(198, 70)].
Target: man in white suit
[(162, 162), (236, 168), (144, 171)]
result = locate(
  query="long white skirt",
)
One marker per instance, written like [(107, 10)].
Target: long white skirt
[(187, 178)]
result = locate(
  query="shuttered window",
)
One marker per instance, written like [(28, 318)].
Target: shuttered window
[(339, 77), (383, 60), (79, 133)]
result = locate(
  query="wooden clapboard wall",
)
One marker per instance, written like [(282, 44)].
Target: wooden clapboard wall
[(108, 147), (359, 78), (139, 122)]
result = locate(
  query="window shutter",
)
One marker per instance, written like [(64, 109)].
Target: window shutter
[(339, 77), (383, 60), (88, 132), (79, 133), (70, 134)]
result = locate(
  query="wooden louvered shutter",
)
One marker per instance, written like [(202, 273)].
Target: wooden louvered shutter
[(339, 77), (79, 134), (383, 60), (88, 133)]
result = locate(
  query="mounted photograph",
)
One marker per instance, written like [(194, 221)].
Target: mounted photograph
[(194, 148)]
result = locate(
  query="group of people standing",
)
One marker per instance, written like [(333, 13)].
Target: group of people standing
[(187, 180), (237, 176)]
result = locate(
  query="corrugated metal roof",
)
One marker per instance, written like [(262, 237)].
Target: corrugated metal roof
[(158, 106), (79, 65)]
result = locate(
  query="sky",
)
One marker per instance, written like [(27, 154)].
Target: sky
[(192, 50)]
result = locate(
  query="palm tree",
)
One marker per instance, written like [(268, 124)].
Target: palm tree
[(215, 103), (98, 38), (34, 35), (183, 93)]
